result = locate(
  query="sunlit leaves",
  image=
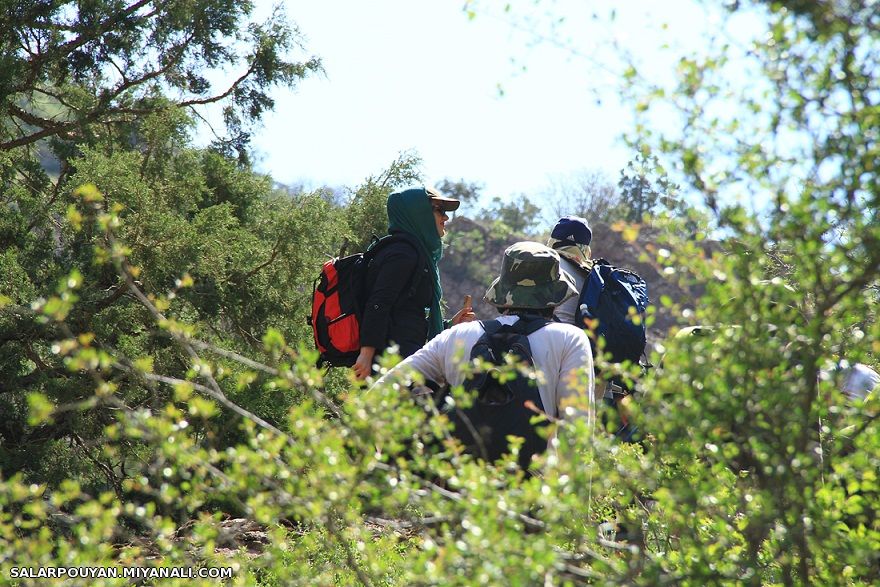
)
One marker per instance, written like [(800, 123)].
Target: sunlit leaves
[(41, 408), (57, 307), (273, 340), (629, 232), (74, 217), (745, 447), (89, 193), (202, 408)]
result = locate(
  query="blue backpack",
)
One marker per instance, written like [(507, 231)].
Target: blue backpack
[(610, 299)]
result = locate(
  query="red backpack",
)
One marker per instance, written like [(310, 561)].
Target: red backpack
[(338, 298)]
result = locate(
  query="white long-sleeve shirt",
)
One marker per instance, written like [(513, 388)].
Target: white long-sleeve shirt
[(560, 352), (860, 380)]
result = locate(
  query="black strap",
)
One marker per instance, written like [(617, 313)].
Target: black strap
[(491, 326), (527, 324)]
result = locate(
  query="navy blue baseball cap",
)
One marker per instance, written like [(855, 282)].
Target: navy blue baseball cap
[(573, 229)]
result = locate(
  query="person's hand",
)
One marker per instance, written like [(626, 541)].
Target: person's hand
[(363, 366), (464, 315)]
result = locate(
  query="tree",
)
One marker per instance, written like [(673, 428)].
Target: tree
[(588, 194), (72, 72), (227, 254), (643, 186), (468, 193), (754, 426), (104, 94), (518, 215), (752, 450), (367, 210), (151, 416)]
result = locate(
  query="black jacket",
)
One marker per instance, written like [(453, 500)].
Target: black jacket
[(399, 295)]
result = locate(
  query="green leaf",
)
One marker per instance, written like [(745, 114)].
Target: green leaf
[(273, 340), (40, 408)]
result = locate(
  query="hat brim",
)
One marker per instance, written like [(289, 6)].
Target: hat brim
[(580, 255), (537, 297), (445, 204)]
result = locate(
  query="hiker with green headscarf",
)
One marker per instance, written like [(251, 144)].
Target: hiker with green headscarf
[(403, 280)]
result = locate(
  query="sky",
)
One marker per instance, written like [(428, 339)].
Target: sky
[(479, 99)]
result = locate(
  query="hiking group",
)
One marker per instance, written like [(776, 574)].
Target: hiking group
[(501, 382), (554, 303), (557, 306)]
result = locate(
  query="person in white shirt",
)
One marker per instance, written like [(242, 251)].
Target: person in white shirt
[(859, 381), (855, 381), (530, 284)]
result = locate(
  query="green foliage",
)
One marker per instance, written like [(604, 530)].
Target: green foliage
[(467, 192), (159, 392), (222, 252), (371, 491), (749, 417), (75, 72), (517, 216), (644, 187), (100, 96), (366, 213), (754, 428), (367, 487)]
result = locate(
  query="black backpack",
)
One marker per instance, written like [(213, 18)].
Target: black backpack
[(338, 298), (610, 299), (499, 409)]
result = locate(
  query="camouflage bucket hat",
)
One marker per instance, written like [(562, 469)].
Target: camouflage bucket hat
[(530, 278)]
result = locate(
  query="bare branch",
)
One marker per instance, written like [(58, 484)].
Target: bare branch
[(84, 38), (55, 96), (195, 101), (30, 118), (103, 109), (275, 250), (235, 357), (217, 395), (105, 469), (400, 525)]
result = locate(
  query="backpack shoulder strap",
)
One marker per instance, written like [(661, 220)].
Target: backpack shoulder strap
[(594, 284), (516, 336), (483, 346), (491, 326), (527, 325), (377, 243)]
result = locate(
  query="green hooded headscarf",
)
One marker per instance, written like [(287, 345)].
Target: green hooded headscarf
[(410, 211)]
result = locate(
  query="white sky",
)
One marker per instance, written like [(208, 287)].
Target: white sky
[(419, 75)]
